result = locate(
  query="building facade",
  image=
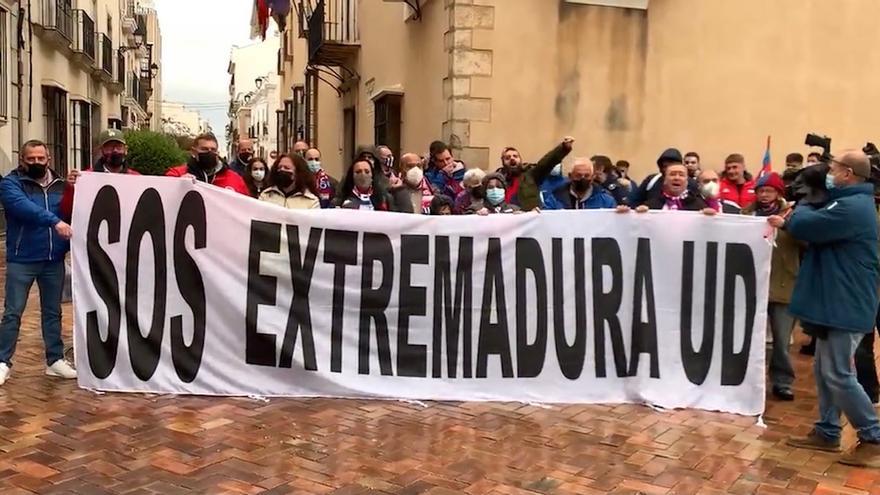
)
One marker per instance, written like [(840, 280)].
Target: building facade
[(254, 95), (75, 68), (179, 120), (626, 78)]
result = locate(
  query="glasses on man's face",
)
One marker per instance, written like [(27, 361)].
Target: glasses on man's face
[(707, 181)]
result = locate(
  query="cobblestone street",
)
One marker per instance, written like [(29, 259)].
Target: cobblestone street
[(56, 438)]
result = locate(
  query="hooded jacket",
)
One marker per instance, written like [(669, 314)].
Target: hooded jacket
[(837, 283), (32, 211), (224, 177)]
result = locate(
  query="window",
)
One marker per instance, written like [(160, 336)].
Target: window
[(280, 137), (387, 123), (311, 107), (287, 144), (299, 115), (80, 134), (114, 123), (4, 66), (55, 123)]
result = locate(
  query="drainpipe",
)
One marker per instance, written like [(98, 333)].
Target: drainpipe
[(20, 67)]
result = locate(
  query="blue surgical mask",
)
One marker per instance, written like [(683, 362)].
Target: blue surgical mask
[(495, 196), (314, 165), (829, 182), (557, 170)]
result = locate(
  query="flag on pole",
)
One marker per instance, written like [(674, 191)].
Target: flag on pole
[(767, 167)]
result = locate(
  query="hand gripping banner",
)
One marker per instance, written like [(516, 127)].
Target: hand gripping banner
[(183, 288)]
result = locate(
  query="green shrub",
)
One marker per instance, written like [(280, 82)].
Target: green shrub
[(152, 153)]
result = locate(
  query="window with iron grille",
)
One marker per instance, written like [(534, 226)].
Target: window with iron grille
[(55, 123), (4, 65), (287, 144), (80, 134), (311, 107), (387, 121), (299, 120)]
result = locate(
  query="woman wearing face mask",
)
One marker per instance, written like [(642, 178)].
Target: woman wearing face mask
[(495, 187), (473, 194), (361, 189), (291, 184), (256, 176)]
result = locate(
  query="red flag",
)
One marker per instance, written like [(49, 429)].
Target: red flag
[(263, 17)]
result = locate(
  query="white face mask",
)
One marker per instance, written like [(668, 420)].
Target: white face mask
[(710, 189), (258, 174), (414, 176)]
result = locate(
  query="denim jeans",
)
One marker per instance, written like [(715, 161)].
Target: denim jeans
[(781, 326), (838, 389), (20, 277)]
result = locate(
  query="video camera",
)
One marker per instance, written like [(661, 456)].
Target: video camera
[(809, 183)]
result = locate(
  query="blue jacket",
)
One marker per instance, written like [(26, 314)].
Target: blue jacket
[(443, 184), (837, 283), (549, 185), (32, 212), (561, 199)]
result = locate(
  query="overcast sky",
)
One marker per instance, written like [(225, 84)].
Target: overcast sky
[(197, 36)]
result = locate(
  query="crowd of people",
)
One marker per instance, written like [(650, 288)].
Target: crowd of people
[(824, 266)]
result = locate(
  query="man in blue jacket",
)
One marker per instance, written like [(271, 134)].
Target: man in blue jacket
[(835, 298), (579, 192), (36, 242)]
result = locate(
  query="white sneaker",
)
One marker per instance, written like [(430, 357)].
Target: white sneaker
[(61, 369), (4, 372)]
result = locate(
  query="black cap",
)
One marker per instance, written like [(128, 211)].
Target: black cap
[(671, 155)]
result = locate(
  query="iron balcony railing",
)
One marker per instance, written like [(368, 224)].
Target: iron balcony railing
[(332, 22), (84, 39), (120, 68), (57, 15), (106, 54)]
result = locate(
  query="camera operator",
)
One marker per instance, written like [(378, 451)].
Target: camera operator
[(835, 298)]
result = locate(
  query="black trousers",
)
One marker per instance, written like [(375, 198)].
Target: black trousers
[(866, 370)]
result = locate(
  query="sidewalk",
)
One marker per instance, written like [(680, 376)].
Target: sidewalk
[(56, 438)]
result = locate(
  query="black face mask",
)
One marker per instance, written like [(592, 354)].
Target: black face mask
[(581, 186), (36, 170), (245, 157), (478, 192), (206, 161), (116, 160), (283, 179)]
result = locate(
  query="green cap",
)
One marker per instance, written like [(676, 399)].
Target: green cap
[(111, 135)]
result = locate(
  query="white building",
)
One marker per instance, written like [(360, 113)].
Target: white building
[(252, 104), (179, 120)]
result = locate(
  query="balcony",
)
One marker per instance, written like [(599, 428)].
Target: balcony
[(56, 23), (84, 40), (129, 21), (117, 85), (333, 32), (105, 69)]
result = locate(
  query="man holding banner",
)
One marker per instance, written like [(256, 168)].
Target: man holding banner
[(835, 297)]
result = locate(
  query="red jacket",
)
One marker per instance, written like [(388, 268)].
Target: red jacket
[(225, 178), (67, 198), (743, 195)]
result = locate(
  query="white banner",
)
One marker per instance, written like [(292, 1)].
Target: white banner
[(188, 289)]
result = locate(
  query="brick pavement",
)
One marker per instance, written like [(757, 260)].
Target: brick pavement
[(55, 438)]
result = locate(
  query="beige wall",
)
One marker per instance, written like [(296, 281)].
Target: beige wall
[(711, 76)]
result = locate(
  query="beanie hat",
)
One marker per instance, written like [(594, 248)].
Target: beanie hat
[(771, 180), (494, 176), (671, 155)]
